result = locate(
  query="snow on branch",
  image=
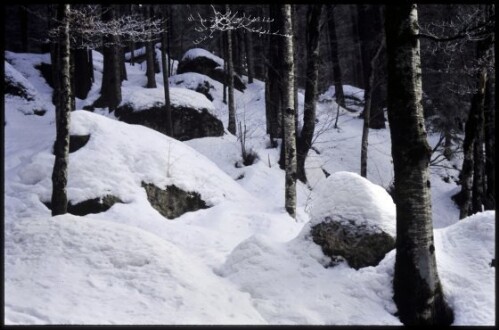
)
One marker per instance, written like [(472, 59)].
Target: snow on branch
[(230, 21)]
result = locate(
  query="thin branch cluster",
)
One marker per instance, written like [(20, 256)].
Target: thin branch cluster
[(87, 28), (230, 21)]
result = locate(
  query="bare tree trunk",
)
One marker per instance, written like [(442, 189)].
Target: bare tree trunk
[(338, 85), (23, 16), (273, 95), (367, 114), (166, 87), (224, 53), (111, 76), (150, 55), (357, 55), (478, 155), (417, 288), (249, 56), (489, 135), (289, 113), (83, 73), (470, 135), (232, 110), (59, 199), (307, 133)]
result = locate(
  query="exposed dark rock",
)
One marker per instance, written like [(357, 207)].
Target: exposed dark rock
[(95, 205), (187, 123), (76, 142), (39, 112), (210, 68), (204, 89), (359, 245), (172, 202), (14, 88)]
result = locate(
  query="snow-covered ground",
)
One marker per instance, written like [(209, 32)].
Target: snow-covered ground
[(243, 260)]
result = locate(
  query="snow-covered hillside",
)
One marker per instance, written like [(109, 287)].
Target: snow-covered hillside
[(242, 260)]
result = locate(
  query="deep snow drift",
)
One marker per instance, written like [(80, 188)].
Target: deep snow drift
[(241, 261)]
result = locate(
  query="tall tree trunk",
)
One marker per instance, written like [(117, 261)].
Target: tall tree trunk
[(111, 76), (295, 59), (273, 95), (55, 59), (249, 56), (83, 73), (289, 113), (307, 133), (23, 15), (471, 131), (232, 110), (490, 141), (150, 55), (370, 34), (224, 55), (59, 199), (417, 288), (338, 85), (478, 155), (165, 66), (367, 114), (357, 54)]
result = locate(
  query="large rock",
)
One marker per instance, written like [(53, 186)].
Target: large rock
[(203, 62), (94, 205), (352, 218), (188, 123), (358, 244), (172, 202)]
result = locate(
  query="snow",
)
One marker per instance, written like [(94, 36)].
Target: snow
[(241, 261), (348, 196), (143, 99), (200, 52)]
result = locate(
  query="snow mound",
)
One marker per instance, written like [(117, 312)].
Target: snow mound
[(119, 157), (348, 196), (464, 252), (146, 98), (200, 52), (99, 272), (289, 285)]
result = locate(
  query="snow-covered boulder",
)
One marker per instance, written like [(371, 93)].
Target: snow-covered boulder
[(352, 218), (16, 84), (192, 112), (202, 61)]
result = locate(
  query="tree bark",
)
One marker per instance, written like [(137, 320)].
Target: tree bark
[(249, 56), (289, 113), (166, 87), (338, 85), (417, 288), (470, 135), (232, 110), (83, 73), (367, 115), (59, 199), (489, 135), (357, 54), (478, 155), (111, 76), (273, 95), (307, 133), (370, 33), (23, 16), (150, 55)]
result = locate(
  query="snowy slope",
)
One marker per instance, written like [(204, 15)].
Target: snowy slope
[(241, 261)]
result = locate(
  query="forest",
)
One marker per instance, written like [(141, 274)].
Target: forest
[(229, 164)]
